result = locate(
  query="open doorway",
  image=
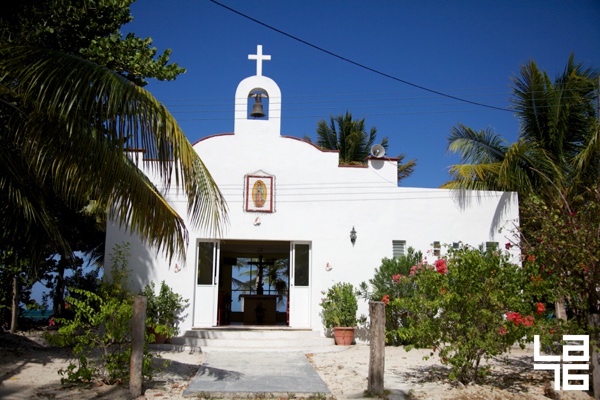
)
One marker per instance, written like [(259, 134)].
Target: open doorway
[(254, 283)]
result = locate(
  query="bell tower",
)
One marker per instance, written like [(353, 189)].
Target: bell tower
[(258, 102)]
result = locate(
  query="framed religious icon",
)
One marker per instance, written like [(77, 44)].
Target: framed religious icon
[(259, 193)]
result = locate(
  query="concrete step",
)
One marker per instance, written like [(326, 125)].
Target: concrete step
[(255, 339)]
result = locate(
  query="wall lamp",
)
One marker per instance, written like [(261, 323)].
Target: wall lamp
[(353, 236)]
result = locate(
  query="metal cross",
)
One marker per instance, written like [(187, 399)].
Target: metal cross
[(259, 57)]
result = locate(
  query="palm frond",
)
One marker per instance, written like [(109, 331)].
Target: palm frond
[(81, 119)]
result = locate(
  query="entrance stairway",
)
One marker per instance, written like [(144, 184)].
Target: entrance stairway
[(254, 338)]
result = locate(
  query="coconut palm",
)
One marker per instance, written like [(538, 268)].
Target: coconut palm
[(557, 151), (351, 139), (69, 124), (349, 136)]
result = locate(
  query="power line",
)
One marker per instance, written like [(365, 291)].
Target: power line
[(359, 64)]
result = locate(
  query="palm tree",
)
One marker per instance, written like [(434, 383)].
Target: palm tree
[(69, 124), (557, 155), (351, 139), (557, 151)]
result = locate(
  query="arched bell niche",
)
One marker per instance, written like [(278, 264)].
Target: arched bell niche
[(258, 104)]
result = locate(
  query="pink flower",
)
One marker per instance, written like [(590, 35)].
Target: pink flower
[(514, 317), (51, 321), (413, 270), (518, 319), (502, 331), (386, 299), (397, 278), (528, 321), (440, 266), (540, 308)]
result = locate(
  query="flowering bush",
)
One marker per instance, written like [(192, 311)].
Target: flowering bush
[(387, 285), (560, 242), (472, 305)]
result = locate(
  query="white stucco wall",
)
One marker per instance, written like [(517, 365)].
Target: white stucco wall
[(320, 202)]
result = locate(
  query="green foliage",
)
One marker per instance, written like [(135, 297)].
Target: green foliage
[(14, 270), (385, 283), (471, 306), (340, 306), (100, 323), (133, 57), (354, 144), (350, 138), (90, 30), (557, 150), (164, 309), (563, 244)]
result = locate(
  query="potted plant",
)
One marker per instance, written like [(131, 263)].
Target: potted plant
[(162, 312), (339, 312)]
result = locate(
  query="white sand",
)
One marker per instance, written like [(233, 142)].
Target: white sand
[(30, 371)]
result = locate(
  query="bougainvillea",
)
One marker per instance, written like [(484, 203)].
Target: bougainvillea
[(386, 299), (470, 305), (389, 281), (441, 266)]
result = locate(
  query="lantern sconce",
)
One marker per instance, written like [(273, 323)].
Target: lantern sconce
[(353, 236)]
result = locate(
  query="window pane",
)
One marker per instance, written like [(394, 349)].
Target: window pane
[(205, 263), (398, 248), (301, 261)]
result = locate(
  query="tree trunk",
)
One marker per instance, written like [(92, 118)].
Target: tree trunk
[(58, 302), (138, 329), (594, 325), (561, 312), (15, 304)]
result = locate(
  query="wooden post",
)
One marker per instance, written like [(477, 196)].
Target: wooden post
[(138, 328), (377, 354)]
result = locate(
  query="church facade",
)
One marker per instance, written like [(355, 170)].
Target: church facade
[(300, 222)]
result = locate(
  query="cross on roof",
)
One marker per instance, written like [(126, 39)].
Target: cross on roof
[(259, 57)]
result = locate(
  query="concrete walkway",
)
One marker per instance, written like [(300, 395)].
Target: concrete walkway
[(245, 374)]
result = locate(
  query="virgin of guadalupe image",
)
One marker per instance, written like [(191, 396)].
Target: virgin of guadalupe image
[(259, 194)]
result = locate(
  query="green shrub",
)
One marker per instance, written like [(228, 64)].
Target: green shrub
[(99, 330), (384, 286), (340, 306), (473, 305), (164, 309)]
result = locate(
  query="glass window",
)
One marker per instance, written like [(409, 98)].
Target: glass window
[(301, 264), (437, 248), (398, 247), (205, 263)]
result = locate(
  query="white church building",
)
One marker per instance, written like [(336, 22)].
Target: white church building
[(300, 222)]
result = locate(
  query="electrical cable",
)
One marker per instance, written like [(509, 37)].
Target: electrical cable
[(359, 64)]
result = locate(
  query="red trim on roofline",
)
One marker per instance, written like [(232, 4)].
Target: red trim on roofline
[(212, 136), (304, 141), (311, 143)]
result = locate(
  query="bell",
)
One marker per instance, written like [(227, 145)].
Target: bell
[(257, 108)]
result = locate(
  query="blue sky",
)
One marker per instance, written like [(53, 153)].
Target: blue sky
[(466, 49)]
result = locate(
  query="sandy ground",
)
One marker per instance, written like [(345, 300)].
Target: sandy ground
[(29, 370)]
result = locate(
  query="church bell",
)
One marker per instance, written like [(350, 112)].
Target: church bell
[(257, 108)]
